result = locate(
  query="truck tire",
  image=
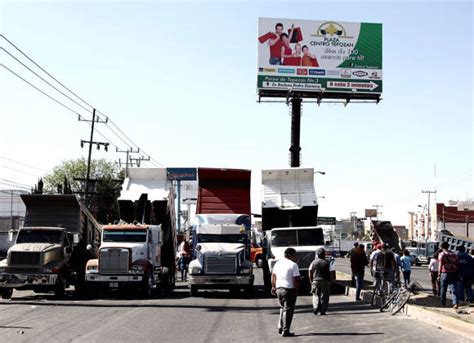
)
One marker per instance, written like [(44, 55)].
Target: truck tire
[(146, 291), (193, 290), (59, 288), (6, 293)]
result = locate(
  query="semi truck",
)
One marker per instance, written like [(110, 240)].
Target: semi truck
[(139, 253), (221, 232), (289, 217), (52, 248)]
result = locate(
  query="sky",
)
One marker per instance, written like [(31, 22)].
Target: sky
[(179, 78)]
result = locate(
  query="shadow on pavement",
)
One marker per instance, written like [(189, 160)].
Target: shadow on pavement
[(340, 334)]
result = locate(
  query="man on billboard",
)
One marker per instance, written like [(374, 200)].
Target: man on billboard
[(276, 43)]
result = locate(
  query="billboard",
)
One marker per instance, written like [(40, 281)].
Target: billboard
[(319, 58), (182, 174), (370, 212)]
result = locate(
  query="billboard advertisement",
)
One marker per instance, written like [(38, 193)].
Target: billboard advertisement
[(370, 213), (319, 57)]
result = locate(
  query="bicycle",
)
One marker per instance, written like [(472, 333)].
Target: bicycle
[(382, 288), (399, 297)]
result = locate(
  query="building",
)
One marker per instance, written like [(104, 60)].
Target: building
[(456, 217), (12, 214)]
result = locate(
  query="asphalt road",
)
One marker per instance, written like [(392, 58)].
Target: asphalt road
[(213, 316)]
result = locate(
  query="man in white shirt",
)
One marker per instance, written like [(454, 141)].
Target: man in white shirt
[(285, 284)]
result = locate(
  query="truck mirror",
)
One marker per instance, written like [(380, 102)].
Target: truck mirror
[(10, 235), (75, 238)]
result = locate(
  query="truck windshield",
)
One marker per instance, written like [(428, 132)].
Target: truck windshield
[(39, 236), (135, 236), (205, 238), (283, 238)]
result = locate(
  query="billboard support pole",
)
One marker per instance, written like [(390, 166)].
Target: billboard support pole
[(295, 132)]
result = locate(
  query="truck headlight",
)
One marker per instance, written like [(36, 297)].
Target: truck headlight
[(92, 269), (245, 271), (137, 269), (195, 270)]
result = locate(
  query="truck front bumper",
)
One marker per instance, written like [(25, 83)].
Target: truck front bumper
[(216, 281), (113, 281), (15, 280)]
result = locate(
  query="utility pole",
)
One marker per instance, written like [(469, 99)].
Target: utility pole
[(91, 142), (138, 160), (377, 206), (467, 226), (128, 152), (353, 222), (429, 212)]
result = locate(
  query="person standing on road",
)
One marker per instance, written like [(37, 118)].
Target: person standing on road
[(405, 265), (349, 255), (448, 274), (466, 274), (285, 284), (358, 262), (320, 278), (373, 258), (433, 268)]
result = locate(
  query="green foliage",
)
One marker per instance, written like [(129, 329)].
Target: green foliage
[(103, 204)]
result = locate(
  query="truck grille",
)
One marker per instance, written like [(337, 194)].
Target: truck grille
[(24, 258), (113, 261), (305, 258), (224, 264)]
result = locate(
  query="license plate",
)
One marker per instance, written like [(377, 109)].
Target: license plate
[(113, 284)]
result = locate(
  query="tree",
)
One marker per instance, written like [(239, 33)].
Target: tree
[(103, 204)]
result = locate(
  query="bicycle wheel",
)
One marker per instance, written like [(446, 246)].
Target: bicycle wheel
[(389, 301), (400, 302), (374, 292), (384, 292)]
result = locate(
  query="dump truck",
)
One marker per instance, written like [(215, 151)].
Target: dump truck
[(221, 232), (138, 254), (52, 248), (289, 217), (384, 232)]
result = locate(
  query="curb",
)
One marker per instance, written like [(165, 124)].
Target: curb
[(441, 321)]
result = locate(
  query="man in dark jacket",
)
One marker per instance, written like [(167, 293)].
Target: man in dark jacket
[(358, 262), (466, 274), (320, 278)]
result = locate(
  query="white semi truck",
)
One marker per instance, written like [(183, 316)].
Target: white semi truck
[(221, 234), (289, 217), (139, 253)]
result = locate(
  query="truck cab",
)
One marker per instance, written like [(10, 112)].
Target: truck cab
[(221, 253), (50, 253), (305, 240), (128, 257)]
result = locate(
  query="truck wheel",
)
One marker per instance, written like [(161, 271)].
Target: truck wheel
[(59, 288), (259, 262), (6, 293), (193, 290), (147, 289)]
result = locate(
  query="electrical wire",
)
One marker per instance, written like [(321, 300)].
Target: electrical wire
[(68, 89), (22, 163)]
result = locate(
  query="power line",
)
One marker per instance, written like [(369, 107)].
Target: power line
[(68, 89), (23, 164), (19, 171), (39, 90), (32, 71)]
